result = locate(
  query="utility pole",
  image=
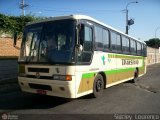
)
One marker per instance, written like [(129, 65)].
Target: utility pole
[(22, 6), (131, 21), (126, 20)]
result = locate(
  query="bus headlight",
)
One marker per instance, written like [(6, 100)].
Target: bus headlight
[(22, 75), (62, 77), (21, 70)]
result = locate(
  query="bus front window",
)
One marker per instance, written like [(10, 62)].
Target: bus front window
[(57, 45), (30, 43), (53, 43)]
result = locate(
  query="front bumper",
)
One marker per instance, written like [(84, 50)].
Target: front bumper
[(51, 87)]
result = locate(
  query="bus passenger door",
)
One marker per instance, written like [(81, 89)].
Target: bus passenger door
[(84, 58)]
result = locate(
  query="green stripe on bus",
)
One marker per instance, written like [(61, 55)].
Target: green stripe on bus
[(108, 72), (119, 71), (87, 75), (124, 56)]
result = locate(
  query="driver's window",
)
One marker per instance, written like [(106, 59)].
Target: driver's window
[(86, 40)]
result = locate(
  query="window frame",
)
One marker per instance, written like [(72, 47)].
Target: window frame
[(109, 40), (139, 54), (135, 47), (126, 51), (122, 36), (113, 32), (86, 23), (119, 51), (95, 42)]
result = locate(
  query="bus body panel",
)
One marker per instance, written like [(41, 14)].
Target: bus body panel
[(114, 67), (83, 75), (59, 88)]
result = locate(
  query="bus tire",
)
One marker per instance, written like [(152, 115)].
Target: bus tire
[(98, 86), (136, 73)]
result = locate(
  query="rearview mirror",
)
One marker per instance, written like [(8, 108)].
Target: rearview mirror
[(79, 49), (79, 27)]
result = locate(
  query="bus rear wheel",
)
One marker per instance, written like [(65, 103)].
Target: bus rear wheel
[(136, 73), (98, 86)]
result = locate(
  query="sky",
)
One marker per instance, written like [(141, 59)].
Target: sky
[(146, 13)]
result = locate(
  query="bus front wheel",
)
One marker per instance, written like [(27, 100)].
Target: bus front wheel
[(98, 86)]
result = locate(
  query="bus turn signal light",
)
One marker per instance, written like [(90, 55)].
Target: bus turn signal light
[(68, 77)]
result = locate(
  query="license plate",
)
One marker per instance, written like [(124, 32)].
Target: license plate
[(42, 92)]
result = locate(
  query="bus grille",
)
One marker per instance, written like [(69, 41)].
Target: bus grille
[(42, 70), (41, 77)]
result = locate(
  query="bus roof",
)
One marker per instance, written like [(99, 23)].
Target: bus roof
[(78, 17)]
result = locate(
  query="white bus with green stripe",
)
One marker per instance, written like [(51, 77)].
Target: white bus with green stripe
[(72, 56)]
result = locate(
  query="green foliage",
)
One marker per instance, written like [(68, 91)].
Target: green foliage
[(154, 42), (11, 24)]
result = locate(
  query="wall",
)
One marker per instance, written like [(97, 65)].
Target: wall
[(8, 58), (7, 49), (153, 55), (8, 68)]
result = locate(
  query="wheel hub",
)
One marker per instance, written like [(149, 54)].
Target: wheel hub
[(99, 85)]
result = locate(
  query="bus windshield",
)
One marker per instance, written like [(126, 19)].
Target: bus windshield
[(49, 42)]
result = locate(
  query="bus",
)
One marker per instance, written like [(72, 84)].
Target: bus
[(72, 56)]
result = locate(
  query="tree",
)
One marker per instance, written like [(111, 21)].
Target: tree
[(154, 42), (10, 24)]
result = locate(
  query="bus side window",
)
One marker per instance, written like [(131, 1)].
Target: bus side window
[(116, 43), (113, 41), (105, 39), (125, 44), (133, 47), (139, 48), (87, 39), (98, 38), (119, 43)]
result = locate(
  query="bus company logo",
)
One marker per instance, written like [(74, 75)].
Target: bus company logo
[(130, 62), (37, 75)]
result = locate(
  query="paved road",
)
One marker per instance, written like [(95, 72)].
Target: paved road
[(127, 98)]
